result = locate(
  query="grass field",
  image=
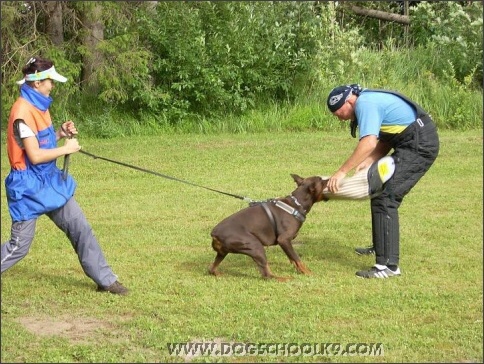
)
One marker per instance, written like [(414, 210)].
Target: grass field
[(155, 233)]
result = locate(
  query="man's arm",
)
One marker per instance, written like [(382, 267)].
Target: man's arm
[(379, 152), (366, 146)]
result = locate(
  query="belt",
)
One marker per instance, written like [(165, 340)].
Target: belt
[(423, 120), (419, 123)]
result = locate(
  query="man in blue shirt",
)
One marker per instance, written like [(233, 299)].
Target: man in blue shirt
[(386, 120)]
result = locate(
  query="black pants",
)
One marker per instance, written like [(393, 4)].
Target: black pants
[(415, 150)]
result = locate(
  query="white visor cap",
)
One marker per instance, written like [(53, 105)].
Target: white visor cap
[(39, 76)]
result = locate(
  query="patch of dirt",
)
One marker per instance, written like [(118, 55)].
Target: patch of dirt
[(75, 329)]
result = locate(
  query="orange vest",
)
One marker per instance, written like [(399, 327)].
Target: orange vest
[(34, 189), (35, 119)]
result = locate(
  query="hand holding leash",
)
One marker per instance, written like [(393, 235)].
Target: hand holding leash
[(69, 131)]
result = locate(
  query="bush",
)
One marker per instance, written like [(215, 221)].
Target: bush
[(454, 35), (214, 57)]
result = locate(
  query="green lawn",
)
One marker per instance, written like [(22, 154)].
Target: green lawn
[(155, 233)]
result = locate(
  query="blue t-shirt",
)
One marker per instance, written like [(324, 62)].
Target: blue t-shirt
[(380, 111)]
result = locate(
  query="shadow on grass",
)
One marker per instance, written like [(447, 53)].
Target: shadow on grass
[(66, 281), (313, 252), (332, 252)]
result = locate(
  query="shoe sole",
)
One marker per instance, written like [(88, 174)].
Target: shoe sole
[(380, 277), (398, 275), (121, 293), (358, 253)]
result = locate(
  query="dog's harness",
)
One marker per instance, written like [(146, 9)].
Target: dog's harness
[(283, 206), (291, 210), (270, 215)]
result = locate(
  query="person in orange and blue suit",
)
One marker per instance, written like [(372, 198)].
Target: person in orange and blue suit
[(36, 186)]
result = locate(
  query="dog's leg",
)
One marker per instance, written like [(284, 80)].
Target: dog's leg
[(301, 267), (221, 254), (259, 256), (266, 272), (294, 257), (213, 267)]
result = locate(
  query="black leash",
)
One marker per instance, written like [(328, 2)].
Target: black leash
[(65, 167), (164, 176)]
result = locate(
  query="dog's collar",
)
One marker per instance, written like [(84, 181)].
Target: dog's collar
[(296, 201), (290, 210)]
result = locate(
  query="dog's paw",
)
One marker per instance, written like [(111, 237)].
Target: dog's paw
[(213, 272), (283, 279), (301, 268)]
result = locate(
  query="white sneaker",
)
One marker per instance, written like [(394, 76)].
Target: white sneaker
[(378, 271)]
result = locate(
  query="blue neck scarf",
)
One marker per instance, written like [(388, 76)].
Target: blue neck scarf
[(35, 98)]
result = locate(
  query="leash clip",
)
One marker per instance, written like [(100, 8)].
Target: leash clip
[(248, 200)]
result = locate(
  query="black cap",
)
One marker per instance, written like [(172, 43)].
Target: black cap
[(338, 96)]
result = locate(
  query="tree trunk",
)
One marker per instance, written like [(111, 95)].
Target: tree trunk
[(93, 35), (405, 13), (54, 27), (382, 15)]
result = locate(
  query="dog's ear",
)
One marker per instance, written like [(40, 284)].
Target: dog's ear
[(297, 179)]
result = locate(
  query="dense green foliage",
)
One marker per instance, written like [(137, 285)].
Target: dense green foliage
[(236, 53), (188, 66), (454, 35)]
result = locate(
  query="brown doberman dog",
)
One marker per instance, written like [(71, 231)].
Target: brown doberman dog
[(271, 222)]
